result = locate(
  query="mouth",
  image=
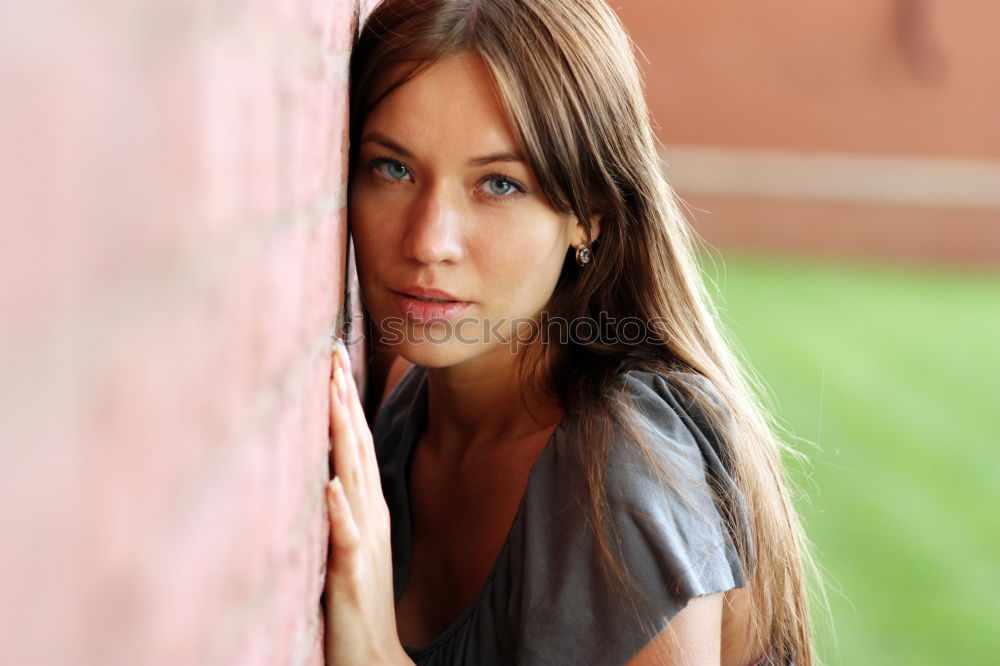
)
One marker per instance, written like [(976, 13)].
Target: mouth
[(429, 300), (428, 295), (425, 306)]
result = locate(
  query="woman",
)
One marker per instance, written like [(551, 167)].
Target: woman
[(572, 470)]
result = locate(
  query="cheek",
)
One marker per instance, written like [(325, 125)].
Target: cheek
[(371, 227), (366, 254), (526, 261)]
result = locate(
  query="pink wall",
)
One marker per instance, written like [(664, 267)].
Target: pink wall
[(173, 257)]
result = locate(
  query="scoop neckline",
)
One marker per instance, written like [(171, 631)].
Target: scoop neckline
[(410, 431)]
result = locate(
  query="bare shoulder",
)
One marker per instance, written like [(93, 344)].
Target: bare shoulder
[(691, 638), (711, 629)]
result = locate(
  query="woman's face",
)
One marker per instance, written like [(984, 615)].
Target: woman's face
[(455, 240)]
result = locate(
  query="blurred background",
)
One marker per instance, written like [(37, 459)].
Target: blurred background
[(174, 262), (842, 161)]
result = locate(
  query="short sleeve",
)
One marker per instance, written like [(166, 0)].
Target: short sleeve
[(671, 538)]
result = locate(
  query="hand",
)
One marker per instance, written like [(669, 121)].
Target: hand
[(360, 613)]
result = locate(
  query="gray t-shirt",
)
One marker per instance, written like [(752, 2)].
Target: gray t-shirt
[(546, 600)]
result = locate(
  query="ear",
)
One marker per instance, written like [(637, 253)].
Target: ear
[(579, 234)]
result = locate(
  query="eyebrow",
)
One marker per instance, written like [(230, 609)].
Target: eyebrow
[(381, 139)]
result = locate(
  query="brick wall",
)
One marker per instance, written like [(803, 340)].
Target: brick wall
[(173, 264)]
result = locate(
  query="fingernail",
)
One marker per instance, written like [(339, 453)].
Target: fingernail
[(336, 491), (338, 383), (344, 355)]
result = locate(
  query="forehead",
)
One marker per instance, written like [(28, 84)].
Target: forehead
[(450, 104)]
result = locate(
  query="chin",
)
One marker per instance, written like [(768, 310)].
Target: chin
[(436, 355), (412, 344)]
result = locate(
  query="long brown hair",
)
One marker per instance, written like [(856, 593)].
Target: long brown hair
[(565, 73)]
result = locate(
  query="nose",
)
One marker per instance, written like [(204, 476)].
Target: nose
[(434, 228)]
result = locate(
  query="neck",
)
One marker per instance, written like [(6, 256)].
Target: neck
[(478, 406)]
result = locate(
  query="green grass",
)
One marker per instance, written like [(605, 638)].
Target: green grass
[(894, 374)]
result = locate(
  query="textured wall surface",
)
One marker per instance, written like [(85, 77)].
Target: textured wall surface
[(173, 255)]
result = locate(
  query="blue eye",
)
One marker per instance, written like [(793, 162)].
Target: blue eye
[(500, 186), (502, 189), (389, 169), (394, 170)]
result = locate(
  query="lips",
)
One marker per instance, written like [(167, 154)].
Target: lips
[(422, 305), (425, 292)]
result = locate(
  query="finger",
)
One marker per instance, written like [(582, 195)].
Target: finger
[(347, 464), (363, 435), (345, 538)]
